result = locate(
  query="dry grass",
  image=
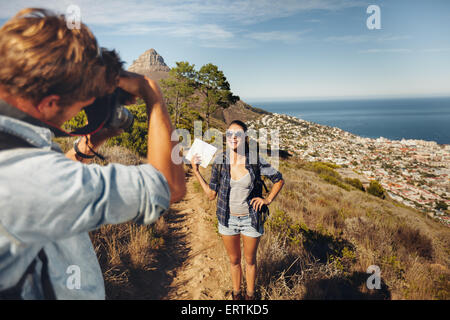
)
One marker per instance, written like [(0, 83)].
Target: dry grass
[(339, 235), (128, 253), (319, 241)]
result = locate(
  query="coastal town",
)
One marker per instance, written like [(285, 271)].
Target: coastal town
[(415, 173)]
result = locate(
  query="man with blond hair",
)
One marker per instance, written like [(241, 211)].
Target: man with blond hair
[(49, 201)]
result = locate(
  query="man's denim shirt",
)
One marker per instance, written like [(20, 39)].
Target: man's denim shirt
[(50, 202)]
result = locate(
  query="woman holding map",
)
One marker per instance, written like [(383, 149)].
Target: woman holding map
[(238, 184)]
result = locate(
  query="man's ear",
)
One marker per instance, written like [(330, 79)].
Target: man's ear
[(49, 105)]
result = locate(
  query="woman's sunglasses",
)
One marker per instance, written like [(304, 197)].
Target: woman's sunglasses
[(237, 134)]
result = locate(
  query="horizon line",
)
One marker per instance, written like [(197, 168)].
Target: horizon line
[(358, 97)]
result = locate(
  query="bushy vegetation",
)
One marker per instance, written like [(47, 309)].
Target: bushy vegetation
[(356, 231), (327, 172), (207, 87), (320, 240), (376, 189), (355, 182), (136, 138), (78, 121)]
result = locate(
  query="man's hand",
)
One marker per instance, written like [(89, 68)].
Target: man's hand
[(93, 142), (140, 86), (101, 136)]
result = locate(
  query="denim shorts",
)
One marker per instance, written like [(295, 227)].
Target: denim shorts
[(240, 225)]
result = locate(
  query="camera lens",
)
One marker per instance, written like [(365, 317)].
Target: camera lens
[(121, 118)]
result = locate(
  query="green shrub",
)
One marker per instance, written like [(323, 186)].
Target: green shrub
[(281, 224), (76, 122), (135, 139), (343, 259), (326, 172), (321, 167), (376, 189), (334, 180), (355, 183)]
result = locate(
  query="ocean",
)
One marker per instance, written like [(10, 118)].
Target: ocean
[(395, 119)]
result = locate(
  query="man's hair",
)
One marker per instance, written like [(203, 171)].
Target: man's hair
[(41, 56)]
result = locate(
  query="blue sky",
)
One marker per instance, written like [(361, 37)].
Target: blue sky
[(276, 50)]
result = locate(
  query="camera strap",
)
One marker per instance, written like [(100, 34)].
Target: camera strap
[(9, 141), (13, 112), (96, 115)]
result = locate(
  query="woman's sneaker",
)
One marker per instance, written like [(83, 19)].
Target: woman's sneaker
[(237, 296), (247, 297)]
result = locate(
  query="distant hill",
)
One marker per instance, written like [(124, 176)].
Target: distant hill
[(150, 64), (240, 110), (321, 242)]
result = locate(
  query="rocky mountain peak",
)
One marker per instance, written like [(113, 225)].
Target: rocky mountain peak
[(151, 64)]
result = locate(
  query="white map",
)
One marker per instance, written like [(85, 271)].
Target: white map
[(204, 150)]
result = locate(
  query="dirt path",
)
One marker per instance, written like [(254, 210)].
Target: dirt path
[(200, 273)]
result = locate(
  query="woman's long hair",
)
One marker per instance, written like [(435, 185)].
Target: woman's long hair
[(244, 127)]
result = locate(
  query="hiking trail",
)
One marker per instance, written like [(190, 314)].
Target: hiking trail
[(199, 273)]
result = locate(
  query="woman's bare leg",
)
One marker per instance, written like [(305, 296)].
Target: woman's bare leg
[(250, 249), (233, 247)]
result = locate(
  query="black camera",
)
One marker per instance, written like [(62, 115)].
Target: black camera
[(108, 112), (118, 116)]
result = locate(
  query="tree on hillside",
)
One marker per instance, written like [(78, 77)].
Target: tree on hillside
[(215, 89), (179, 89)]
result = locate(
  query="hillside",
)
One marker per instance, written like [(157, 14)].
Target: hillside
[(151, 64), (324, 231), (319, 241), (415, 173)]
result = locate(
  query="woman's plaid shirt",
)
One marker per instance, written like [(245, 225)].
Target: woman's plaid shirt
[(220, 183)]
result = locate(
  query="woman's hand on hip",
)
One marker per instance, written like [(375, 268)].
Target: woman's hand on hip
[(258, 202)]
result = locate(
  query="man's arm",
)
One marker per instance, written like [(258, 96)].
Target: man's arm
[(160, 129), (159, 134), (59, 198)]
